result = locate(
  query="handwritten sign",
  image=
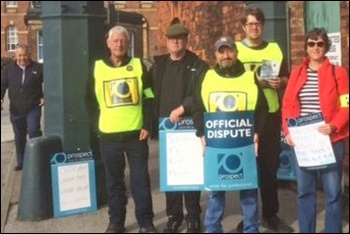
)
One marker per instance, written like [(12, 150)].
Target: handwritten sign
[(181, 156), (312, 148), (73, 181)]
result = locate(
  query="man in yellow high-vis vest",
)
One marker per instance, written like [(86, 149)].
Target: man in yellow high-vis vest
[(120, 87), (253, 50), (229, 88)]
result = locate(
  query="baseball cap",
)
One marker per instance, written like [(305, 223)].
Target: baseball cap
[(224, 41)]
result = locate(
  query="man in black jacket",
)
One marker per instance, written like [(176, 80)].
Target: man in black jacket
[(23, 79), (173, 75)]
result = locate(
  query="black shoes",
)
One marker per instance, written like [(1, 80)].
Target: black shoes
[(274, 223), (18, 168), (115, 228), (172, 226), (149, 229), (239, 227), (193, 227)]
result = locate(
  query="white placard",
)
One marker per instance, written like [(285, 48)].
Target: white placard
[(312, 148), (74, 186), (184, 159)]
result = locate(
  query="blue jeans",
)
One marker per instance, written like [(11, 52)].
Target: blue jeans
[(23, 124), (216, 209), (112, 153), (331, 181)]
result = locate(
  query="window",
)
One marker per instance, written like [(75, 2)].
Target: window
[(12, 38), (131, 51), (11, 4), (40, 47)]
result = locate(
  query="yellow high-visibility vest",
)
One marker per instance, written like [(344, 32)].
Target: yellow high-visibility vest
[(119, 92), (252, 59), (229, 94)]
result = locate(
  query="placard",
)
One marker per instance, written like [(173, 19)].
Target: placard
[(73, 183), (230, 161), (286, 169), (181, 156), (313, 149)]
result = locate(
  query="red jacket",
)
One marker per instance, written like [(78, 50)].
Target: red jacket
[(331, 87)]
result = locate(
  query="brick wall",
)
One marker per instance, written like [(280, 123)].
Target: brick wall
[(297, 32), (207, 21), (14, 17)]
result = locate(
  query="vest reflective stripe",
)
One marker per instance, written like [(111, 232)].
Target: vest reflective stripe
[(252, 58), (119, 94), (229, 94)]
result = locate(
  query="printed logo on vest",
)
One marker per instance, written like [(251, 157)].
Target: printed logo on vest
[(121, 92)]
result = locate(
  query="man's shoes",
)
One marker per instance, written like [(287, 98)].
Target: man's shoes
[(193, 227), (149, 229), (172, 226), (276, 224), (18, 168), (115, 228), (239, 227)]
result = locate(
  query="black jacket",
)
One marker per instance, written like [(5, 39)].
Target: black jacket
[(192, 67), (23, 97), (260, 113)]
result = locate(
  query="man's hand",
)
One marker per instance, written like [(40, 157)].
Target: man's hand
[(326, 129), (41, 102), (144, 134), (176, 114)]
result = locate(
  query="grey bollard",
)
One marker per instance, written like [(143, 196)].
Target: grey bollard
[(35, 201)]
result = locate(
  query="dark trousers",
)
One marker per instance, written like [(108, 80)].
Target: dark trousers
[(23, 124), (268, 163), (174, 207), (113, 153)]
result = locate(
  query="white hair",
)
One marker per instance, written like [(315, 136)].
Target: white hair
[(118, 29)]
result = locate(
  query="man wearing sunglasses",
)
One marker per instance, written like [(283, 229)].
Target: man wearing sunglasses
[(253, 50)]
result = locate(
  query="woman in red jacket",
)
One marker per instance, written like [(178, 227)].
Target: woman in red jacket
[(316, 86)]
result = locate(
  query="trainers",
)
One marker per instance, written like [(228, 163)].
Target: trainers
[(149, 229), (193, 227), (172, 226), (239, 227), (18, 168), (276, 224), (115, 228)]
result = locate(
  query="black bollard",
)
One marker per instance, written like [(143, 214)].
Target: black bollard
[(35, 201)]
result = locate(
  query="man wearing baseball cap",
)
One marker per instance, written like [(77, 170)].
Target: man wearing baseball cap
[(229, 76), (173, 75)]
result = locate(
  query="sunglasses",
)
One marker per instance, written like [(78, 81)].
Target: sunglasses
[(312, 44)]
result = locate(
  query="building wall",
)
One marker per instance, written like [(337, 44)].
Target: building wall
[(13, 17), (150, 27)]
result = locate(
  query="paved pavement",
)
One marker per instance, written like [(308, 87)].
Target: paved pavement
[(96, 222)]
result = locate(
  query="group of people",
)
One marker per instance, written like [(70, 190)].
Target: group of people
[(129, 100)]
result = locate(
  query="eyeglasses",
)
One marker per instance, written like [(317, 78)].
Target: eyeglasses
[(312, 44), (256, 24)]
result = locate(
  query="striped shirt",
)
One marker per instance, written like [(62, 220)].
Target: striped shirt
[(308, 95)]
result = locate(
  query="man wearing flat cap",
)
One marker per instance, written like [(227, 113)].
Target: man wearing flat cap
[(229, 76), (173, 75)]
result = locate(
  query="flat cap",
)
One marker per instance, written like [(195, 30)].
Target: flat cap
[(176, 30)]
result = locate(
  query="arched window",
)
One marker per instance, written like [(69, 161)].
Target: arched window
[(12, 38)]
